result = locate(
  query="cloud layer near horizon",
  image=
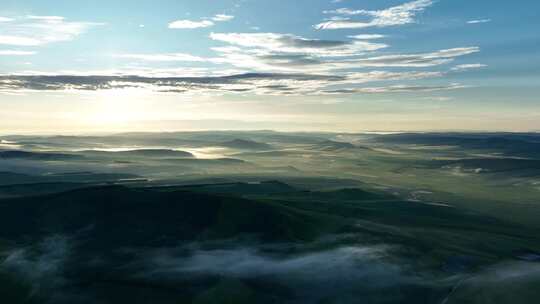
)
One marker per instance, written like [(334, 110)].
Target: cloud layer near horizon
[(256, 83)]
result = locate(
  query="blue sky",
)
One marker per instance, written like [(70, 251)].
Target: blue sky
[(349, 65)]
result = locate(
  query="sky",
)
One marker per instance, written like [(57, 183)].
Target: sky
[(304, 65)]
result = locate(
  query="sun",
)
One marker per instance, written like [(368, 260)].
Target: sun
[(119, 106)]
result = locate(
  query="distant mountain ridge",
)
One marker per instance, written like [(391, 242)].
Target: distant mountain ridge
[(146, 153), (245, 144), (18, 154)]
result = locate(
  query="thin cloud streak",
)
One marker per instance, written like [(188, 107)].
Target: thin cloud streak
[(466, 67), (222, 18), (16, 53), (279, 58), (41, 30), (479, 21), (188, 24), (367, 36), (254, 83), (203, 23), (398, 89), (263, 43), (393, 16)]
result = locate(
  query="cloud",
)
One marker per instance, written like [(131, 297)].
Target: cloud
[(266, 43), (364, 77), (222, 17), (46, 18), (247, 263), (492, 283), (272, 55), (414, 60), (254, 83), (306, 67), (367, 36), (343, 274), (42, 267), (283, 64), (40, 30), (19, 41), (340, 275), (188, 24), (203, 23), (479, 21), (286, 52), (397, 15), (6, 19), (397, 89), (144, 71), (15, 53), (465, 67), (275, 52)]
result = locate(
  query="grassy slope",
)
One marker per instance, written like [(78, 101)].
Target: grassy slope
[(116, 212), (114, 217)]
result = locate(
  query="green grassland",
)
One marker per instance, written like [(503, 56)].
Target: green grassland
[(267, 217)]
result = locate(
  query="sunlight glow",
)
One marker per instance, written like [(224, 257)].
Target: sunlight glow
[(119, 106)]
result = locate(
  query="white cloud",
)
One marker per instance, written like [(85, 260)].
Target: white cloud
[(19, 41), (205, 22), (46, 18), (40, 30), (454, 52), (396, 89), (188, 24), (414, 60), (268, 43), (289, 53), (465, 67), (479, 21), (15, 53), (357, 78), (6, 19), (222, 17), (205, 82), (397, 15), (367, 36)]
